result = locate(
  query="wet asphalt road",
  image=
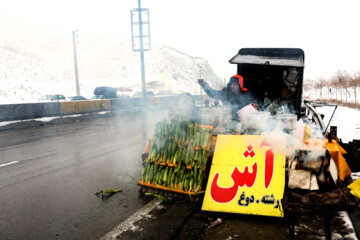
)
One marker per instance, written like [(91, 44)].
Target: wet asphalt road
[(48, 192)]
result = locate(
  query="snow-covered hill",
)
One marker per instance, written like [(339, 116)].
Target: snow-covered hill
[(33, 67)]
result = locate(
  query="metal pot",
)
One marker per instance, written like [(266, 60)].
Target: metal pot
[(288, 120), (219, 117)]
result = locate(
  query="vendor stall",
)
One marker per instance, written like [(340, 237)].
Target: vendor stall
[(278, 161)]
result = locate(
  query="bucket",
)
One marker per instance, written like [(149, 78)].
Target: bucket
[(219, 117), (243, 112)]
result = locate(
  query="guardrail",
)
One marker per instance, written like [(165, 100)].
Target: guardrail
[(12, 112)]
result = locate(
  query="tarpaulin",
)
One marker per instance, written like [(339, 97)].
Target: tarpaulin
[(336, 152), (355, 188)]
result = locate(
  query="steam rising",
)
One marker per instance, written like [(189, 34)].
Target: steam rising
[(282, 125), (285, 125)]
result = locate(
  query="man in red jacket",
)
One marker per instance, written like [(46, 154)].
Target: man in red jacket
[(234, 94)]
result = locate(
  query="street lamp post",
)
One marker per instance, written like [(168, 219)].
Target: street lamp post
[(76, 65), (141, 41)]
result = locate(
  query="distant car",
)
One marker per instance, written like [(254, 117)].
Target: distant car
[(148, 94), (98, 97), (55, 97), (76, 98), (164, 92)]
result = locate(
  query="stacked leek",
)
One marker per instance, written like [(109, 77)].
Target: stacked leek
[(177, 155)]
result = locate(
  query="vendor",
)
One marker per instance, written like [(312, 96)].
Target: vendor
[(234, 94)]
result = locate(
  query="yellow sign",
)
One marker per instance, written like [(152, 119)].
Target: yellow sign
[(247, 176)]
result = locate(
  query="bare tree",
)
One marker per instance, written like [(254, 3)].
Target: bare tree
[(355, 82), (335, 84), (307, 86), (320, 83), (329, 90), (343, 77)]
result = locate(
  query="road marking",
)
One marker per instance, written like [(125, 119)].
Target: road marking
[(129, 223), (7, 164)]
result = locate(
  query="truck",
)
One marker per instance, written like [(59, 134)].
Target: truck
[(107, 92)]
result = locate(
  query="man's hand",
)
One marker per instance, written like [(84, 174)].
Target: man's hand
[(255, 105), (201, 81)]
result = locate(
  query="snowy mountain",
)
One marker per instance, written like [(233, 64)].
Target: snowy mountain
[(34, 67)]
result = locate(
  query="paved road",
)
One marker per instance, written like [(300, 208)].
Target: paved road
[(49, 177)]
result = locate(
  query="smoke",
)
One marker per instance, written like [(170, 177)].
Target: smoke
[(284, 125), (280, 128)]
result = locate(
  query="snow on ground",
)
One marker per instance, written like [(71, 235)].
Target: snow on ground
[(346, 119), (345, 216)]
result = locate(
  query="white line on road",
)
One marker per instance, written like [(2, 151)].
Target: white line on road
[(129, 223), (7, 164)]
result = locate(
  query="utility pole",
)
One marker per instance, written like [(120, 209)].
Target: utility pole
[(201, 95), (76, 67), (142, 52), (138, 39)]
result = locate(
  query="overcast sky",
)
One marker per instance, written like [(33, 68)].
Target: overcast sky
[(327, 31)]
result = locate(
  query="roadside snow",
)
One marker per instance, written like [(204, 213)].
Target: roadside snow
[(355, 175), (349, 225), (47, 119), (346, 119)]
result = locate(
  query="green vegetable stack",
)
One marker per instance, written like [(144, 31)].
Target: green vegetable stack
[(177, 155)]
